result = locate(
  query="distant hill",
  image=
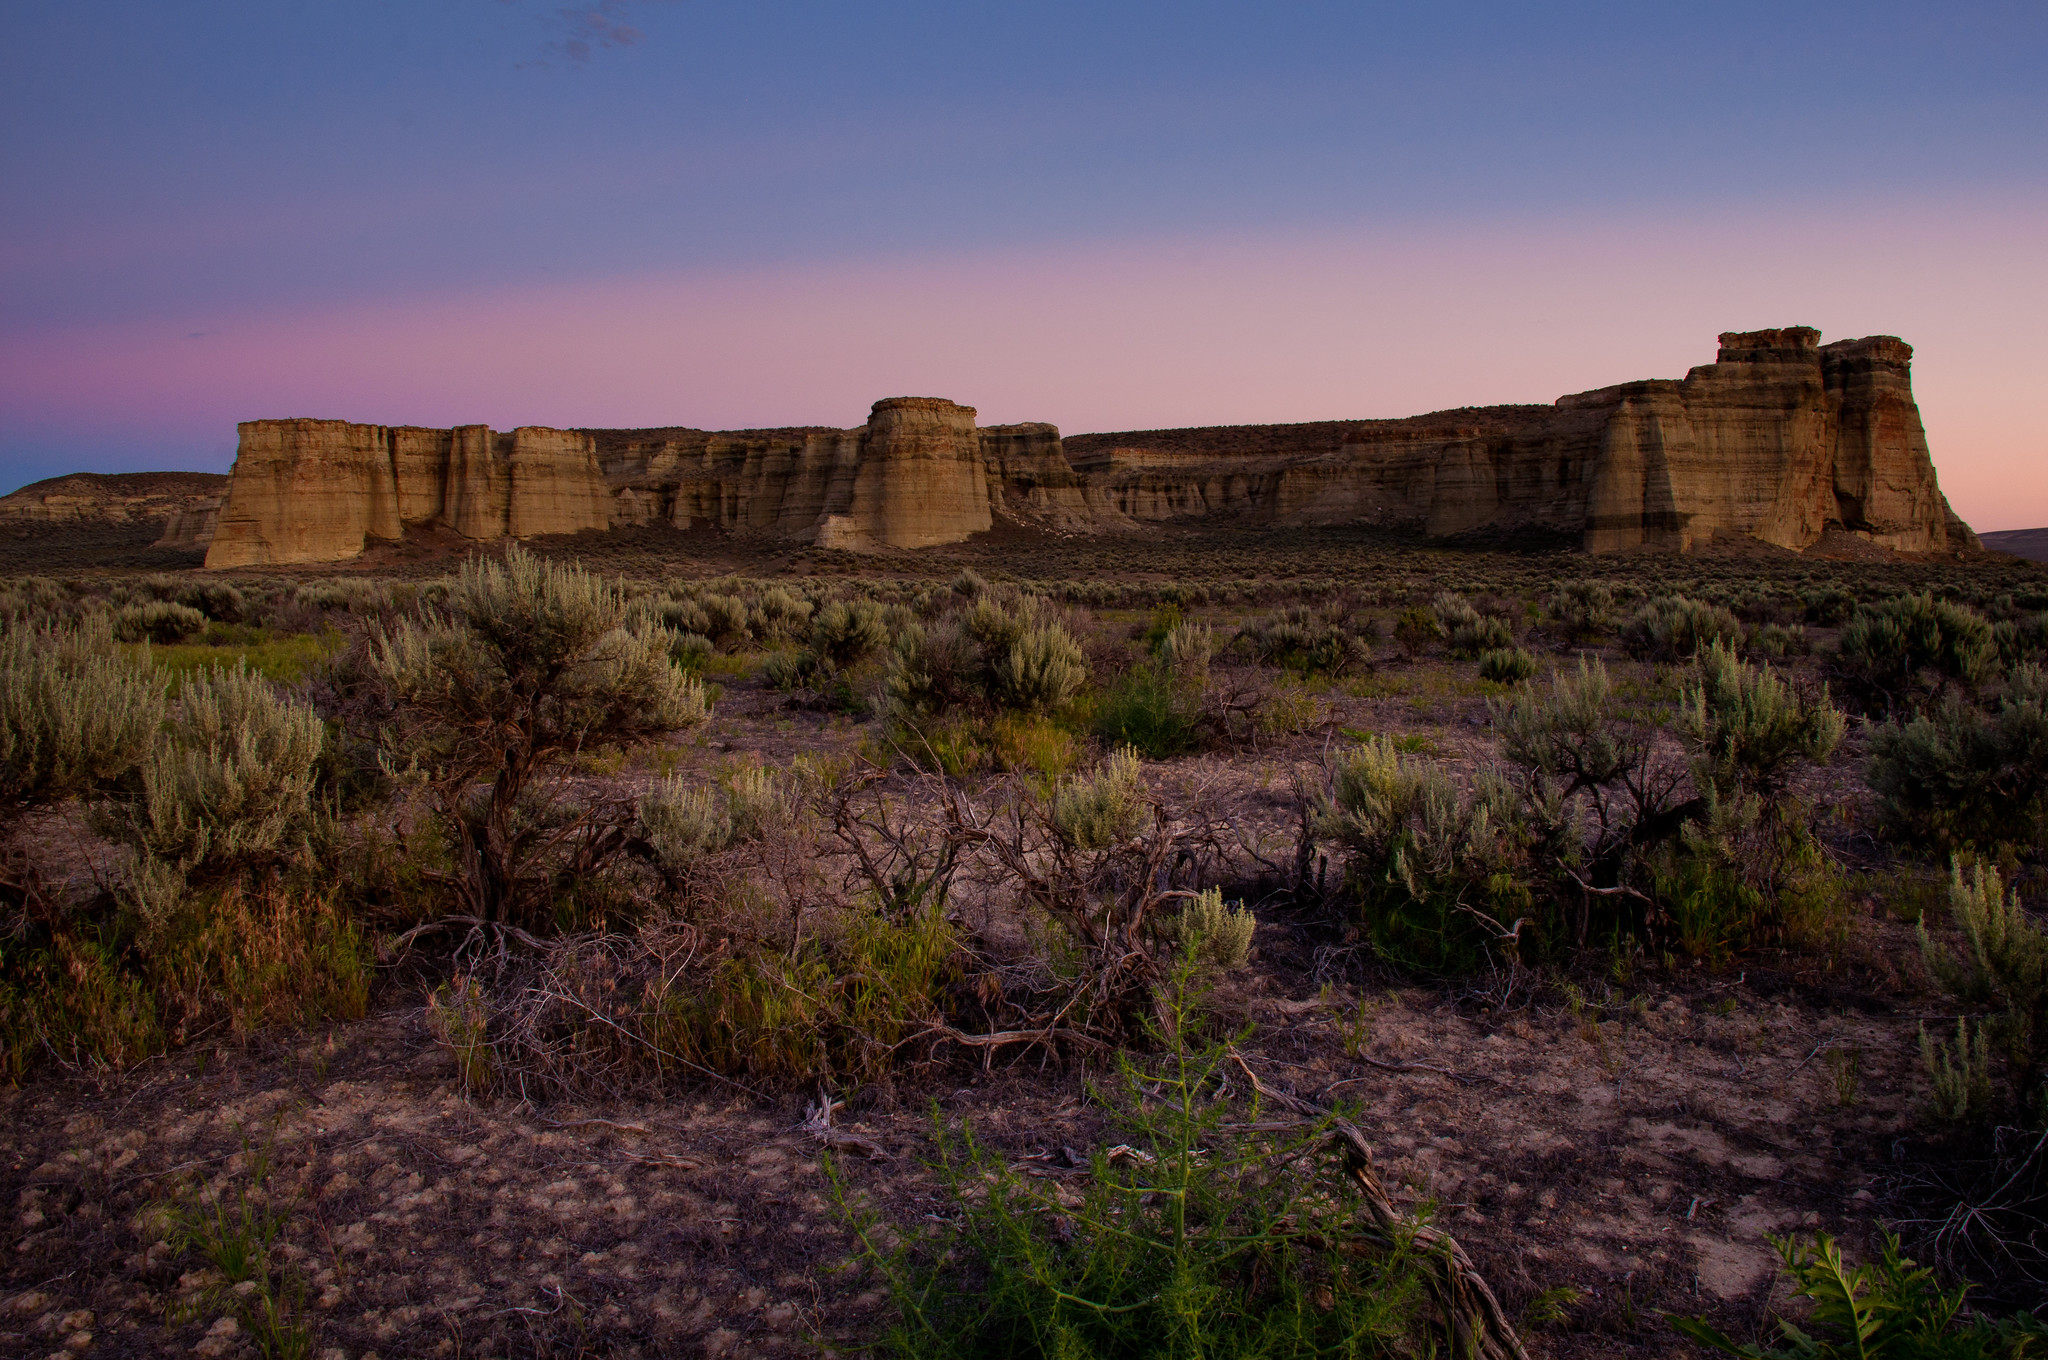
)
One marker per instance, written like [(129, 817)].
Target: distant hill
[(112, 497), (2028, 543)]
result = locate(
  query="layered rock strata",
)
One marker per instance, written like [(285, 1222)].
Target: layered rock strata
[(180, 500), (321, 490), (1781, 440)]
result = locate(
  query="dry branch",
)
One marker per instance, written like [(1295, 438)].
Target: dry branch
[(1474, 1317)]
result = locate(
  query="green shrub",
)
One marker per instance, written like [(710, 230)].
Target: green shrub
[(1903, 654), (999, 655), (1958, 777), (216, 599), (1439, 872), (1959, 1072), (1750, 729), (158, 621), (76, 717), (1191, 1236), (1147, 710), (1306, 642), (75, 1003), (650, 1011), (2021, 641), (1674, 628), (227, 789), (1506, 666), (1210, 930), (1414, 631), (1886, 1308), (1485, 634), (933, 669), (1827, 605), (1778, 641), (1106, 808), (841, 1008), (845, 633), (1042, 669), (1184, 653), (2005, 964), (1581, 609), (728, 622)]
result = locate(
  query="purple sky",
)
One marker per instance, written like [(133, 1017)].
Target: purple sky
[(1103, 216)]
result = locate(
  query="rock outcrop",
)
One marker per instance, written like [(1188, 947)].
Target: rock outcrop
[(321, 490), (182, 501), (1781, 440)]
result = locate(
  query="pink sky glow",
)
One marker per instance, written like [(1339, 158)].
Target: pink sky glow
[(1103, 336)]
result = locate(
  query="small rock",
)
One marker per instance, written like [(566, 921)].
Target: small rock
[(220, 1338)]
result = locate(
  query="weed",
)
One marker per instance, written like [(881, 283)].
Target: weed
[(458, 1013), (1551, 1307), (1887, 1307), (1187, 1238), (1845, 1069), (235, 1229)]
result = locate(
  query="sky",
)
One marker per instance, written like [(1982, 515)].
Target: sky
[(1105, 215)]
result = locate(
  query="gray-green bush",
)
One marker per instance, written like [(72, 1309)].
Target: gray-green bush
[(2004, 964), (76, 716), (1956, 776), (227, 788), (1904, 654), (529, 663), (1674, 628)]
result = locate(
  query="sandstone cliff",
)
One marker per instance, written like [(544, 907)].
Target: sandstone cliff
[(320, 490), (1781, 439)]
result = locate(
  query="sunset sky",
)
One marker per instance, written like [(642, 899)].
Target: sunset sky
[(1104, 215)]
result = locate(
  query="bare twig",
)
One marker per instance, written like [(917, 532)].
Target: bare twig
[(818, 1124), (1477, 1324)]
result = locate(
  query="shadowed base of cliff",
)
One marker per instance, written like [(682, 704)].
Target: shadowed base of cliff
[(32, 548)]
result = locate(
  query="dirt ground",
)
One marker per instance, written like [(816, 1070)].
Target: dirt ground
[(1635, 1141), (1638, 1158)]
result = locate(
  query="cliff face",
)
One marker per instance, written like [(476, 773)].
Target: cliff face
[(320, 490), (1780, 439)]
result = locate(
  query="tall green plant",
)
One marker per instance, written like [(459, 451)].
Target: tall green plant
[(1957, 776), (1440, 872), (1750, 729), (1887, 1309), (1188, 1237), (2004, 962), (76, 716), (1905, 653)]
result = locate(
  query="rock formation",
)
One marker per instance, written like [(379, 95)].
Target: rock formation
[(320, 490), (182, 501), (1781, 440)]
